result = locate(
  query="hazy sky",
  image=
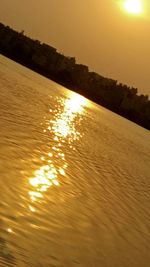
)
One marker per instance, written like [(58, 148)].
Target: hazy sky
[(99, 33)]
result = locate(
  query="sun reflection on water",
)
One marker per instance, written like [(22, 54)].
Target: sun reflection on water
[(62, 129)]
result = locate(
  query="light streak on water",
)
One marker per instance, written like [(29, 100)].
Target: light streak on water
[(63, 129)]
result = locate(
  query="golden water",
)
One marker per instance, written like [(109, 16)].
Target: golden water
[(75, 178)]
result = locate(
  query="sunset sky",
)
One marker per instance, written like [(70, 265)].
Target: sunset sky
[(109, 36)]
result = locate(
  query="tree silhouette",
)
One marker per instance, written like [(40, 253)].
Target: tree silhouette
[(45, 59)]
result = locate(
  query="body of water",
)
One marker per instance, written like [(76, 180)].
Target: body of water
[(74, 178)]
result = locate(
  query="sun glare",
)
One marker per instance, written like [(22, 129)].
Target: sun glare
[(133, 6)]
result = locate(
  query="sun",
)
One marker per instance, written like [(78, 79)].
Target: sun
[(133, 6)]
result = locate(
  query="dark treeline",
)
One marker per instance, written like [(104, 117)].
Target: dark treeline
[(45, 59)]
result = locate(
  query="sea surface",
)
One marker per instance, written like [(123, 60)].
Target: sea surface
[(74, 178)]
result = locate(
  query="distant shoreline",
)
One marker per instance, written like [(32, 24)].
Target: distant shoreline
[(46, 61)]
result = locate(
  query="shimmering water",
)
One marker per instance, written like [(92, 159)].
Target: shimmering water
[(74, 178)]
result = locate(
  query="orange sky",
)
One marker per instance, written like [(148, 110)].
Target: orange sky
[(97, 32)]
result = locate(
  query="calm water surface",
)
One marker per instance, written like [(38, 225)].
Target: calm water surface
[(74, 178)]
